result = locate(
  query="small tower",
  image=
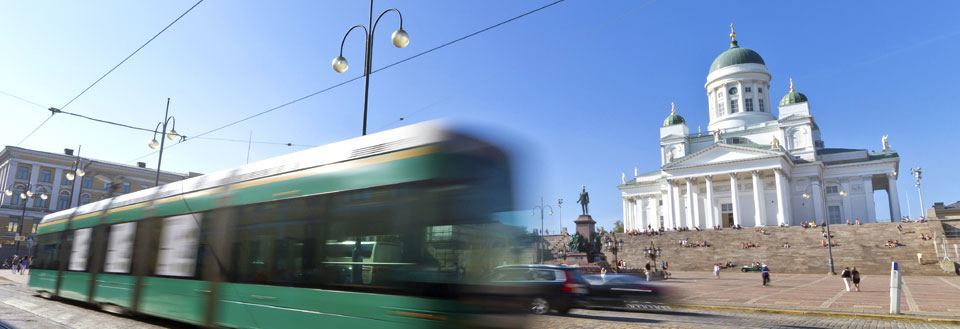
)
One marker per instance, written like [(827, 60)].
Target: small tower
[(801, 136), (673, 136)]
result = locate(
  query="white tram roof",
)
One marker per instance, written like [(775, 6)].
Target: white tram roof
[(360, 147)]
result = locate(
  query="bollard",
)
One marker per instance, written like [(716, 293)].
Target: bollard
[(895, 282)]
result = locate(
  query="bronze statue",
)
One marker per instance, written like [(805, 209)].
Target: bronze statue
[(584, 200), (577, 243)]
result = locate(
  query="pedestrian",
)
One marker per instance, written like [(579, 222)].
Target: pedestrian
[(856, 278), (14, 264), (845, 275), (765, 274), (24, 263), (716, 270)]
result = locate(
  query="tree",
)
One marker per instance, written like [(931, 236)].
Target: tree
[(618, 226)]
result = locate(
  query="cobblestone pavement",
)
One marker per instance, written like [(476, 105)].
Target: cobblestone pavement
[(932, 296), (681, 318), (20, 309)]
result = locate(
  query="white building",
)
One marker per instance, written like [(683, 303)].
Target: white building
[(782, 171)]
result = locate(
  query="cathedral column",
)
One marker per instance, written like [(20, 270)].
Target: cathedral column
[(678, 218), (846, 202), (783, 198), (735, 198), (690, 210), (817, 191), (708, 209), (641, 222), (667, 207), (626, 210), (740, 106), (759, 204), (895, 199), (635, 219), (697, 221), (871, 205)]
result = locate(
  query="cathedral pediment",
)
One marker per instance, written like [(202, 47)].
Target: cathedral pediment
[(722, 154)]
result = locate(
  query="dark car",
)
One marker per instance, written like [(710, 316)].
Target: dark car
[(545, 287), (624, 291)]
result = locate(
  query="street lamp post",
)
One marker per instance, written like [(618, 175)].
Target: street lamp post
[(652, 252), (75, 174), (542, 207), (826, 223), (167, 118), (400, 39), (918, 175), (614, 245), (24, 196), (560, 213)]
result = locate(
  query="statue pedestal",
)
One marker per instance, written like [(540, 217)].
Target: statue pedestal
[(577, 258), (586, 226)]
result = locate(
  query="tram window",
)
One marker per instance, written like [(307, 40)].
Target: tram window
[(47, 254), (120, 248), (80, 250), (179, 239), (275, 243)]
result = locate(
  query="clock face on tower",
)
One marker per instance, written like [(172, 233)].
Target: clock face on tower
[(733, 91)]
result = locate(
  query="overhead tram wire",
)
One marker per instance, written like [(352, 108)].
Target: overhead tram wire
[(132, 54), (106, 74), (297, 100)]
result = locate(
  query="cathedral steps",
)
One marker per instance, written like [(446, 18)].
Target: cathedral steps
[(860, 246)]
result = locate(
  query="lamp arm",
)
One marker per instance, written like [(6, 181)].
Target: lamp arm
[(384, 13), (342, 42)]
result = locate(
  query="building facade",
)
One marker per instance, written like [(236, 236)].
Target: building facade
[(752, 167), (55, 176)]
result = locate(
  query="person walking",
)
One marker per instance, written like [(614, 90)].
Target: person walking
[(14, 264), (716, 270), (855, 275), (765, 274), (845, 275), (24, 263)]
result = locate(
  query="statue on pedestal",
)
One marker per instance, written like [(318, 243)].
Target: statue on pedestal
[(577, 243), (886, 143), (584, 200)]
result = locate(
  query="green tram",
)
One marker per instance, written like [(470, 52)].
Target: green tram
[(355, 234)]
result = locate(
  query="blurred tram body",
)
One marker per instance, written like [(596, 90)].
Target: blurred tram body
[(379, 231)]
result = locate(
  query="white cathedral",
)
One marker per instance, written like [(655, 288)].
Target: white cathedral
[(753, 168)]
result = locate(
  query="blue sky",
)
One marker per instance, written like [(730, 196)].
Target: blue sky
[(578, 89)]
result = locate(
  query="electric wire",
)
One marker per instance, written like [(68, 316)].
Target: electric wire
[(297, 100), (23, 99), (131, 54)]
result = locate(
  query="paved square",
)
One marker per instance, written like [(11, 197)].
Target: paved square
[(935, 296)]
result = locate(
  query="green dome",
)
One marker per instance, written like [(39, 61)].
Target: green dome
[(793, 97), (673, 118), (736, 55)]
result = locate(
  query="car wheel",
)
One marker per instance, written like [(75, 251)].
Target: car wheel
[(539, 306)]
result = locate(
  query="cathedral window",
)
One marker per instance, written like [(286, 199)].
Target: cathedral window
[(748, 104), (760, 103), (733, 106), (720, 109), (746, 89), (833, 189), (759, 90)]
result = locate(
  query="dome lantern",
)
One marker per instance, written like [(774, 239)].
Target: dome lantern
[(792, 97), (673, 118)]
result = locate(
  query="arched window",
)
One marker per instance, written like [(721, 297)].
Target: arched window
[(64, 200), (84, 199)]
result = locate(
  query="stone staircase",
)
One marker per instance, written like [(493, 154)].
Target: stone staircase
[(861, 246)]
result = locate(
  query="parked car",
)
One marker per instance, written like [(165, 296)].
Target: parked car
[(555, 287), (750, 268), (624, 291)]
